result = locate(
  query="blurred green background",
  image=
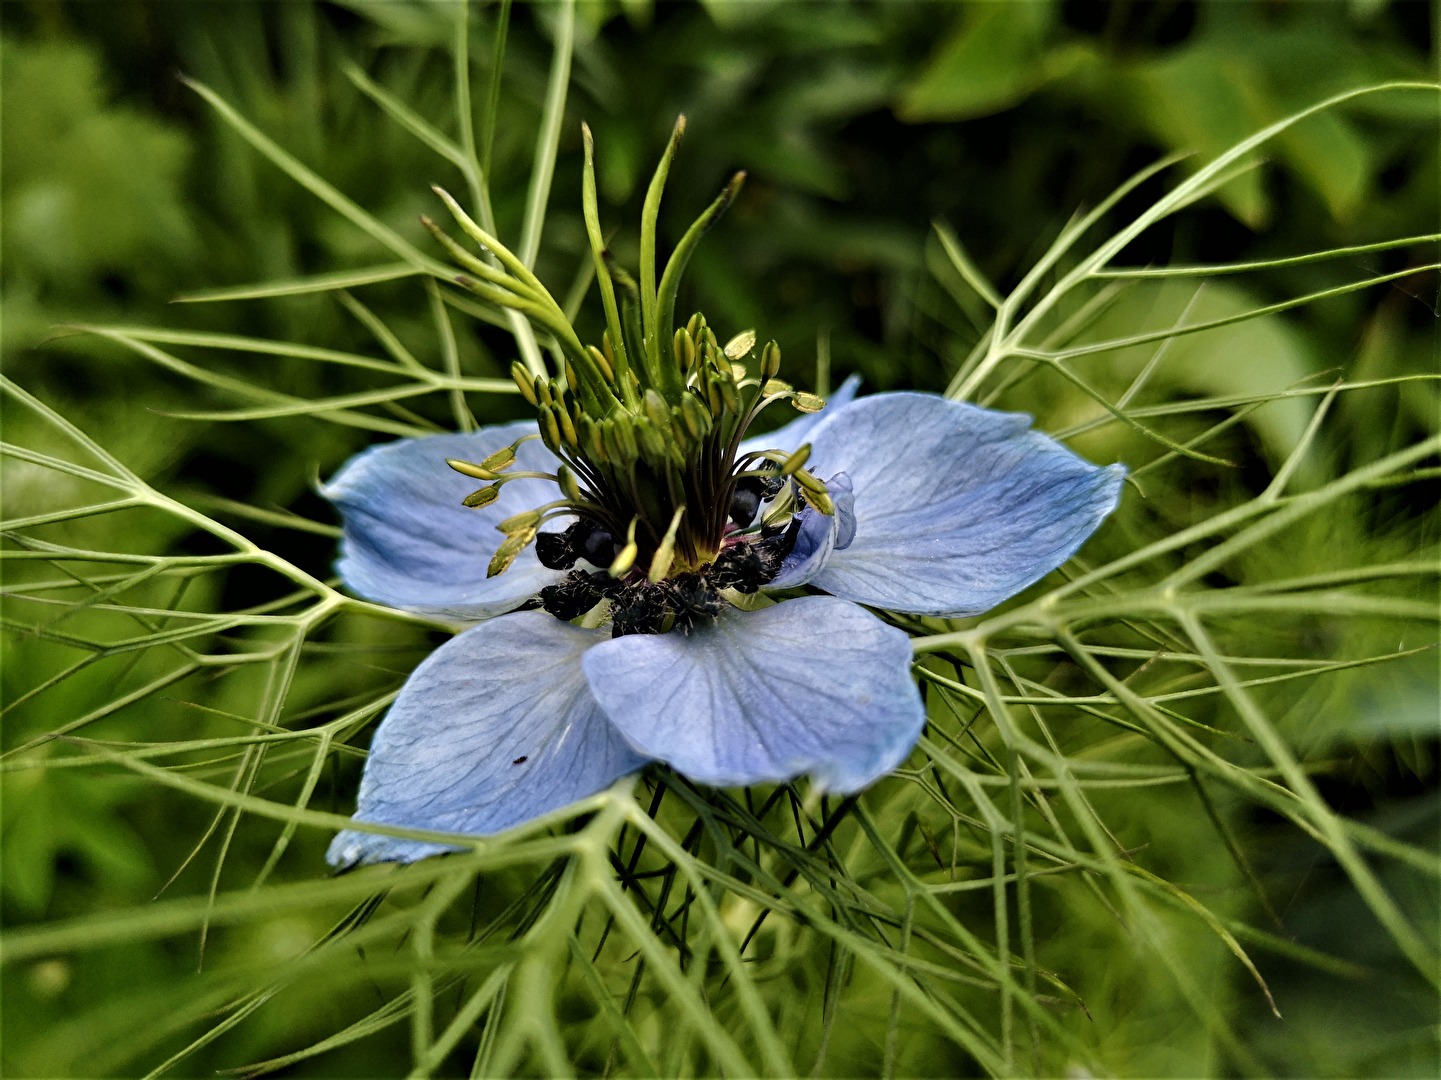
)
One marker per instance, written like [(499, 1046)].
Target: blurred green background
[(859, 124)]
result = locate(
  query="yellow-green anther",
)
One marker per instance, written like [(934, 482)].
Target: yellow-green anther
[(780, 511), (509, 548), (739, 347), (625, 434), (626, 557), (738, 372), (773, 387), (569, 485), (697, 420), (656, 409), (808, 482), (653, 442), (594, 443), (499, 461), (542, 391), (770, 361), (484, 497), (602, 363), (524, 381), (572, 380), (821, 500), (680, 435), (567, 427), (798, 457), (684, 350), (660, 563), (713, 397), (549, 430), (470, 469), (694, 323), (807, 403), (624, 560), (730, 395), (529, 519)]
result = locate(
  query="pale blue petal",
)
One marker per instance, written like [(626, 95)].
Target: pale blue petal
[(813, 685), (409, 543), (957, 508), (819, 535), (493, 729), (790, 436)]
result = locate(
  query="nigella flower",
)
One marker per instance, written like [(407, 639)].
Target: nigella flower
[(647, 583)]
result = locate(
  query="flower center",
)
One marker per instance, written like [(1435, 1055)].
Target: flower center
[(666, 506), (648, 428)]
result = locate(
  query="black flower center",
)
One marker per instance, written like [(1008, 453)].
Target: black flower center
[(682, 601)]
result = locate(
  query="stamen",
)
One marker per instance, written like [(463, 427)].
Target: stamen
[(664, 556)]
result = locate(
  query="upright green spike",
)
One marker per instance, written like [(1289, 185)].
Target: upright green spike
[(649, 213)]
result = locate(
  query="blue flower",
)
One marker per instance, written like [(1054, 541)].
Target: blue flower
[(935, 508)]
